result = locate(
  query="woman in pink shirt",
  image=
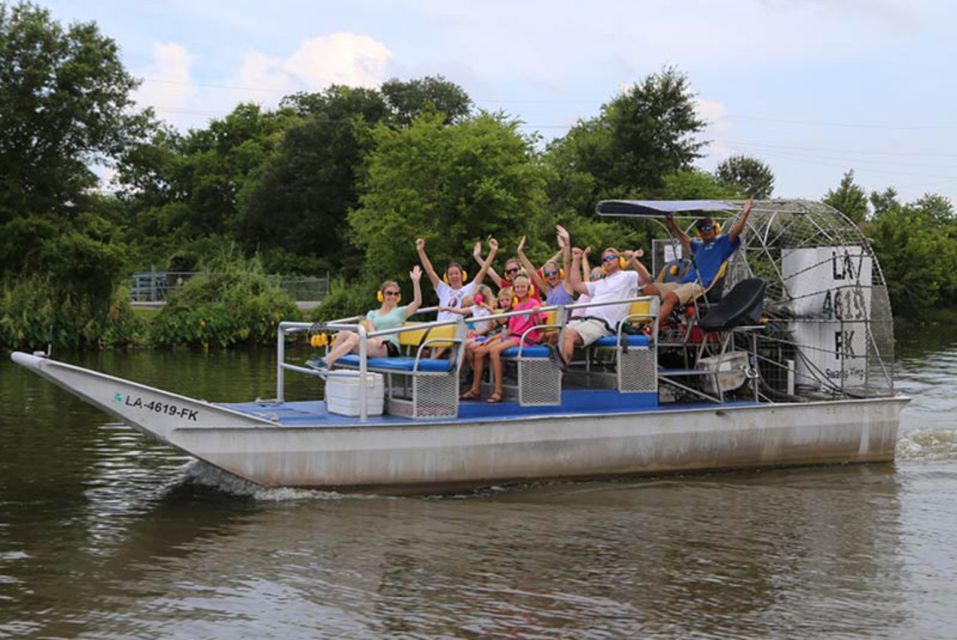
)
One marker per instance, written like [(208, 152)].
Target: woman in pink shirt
[(512, 337)]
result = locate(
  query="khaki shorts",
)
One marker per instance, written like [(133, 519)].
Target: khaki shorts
[(589, 329), (686, 292)]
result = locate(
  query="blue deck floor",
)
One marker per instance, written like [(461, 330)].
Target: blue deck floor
[(574, 402)]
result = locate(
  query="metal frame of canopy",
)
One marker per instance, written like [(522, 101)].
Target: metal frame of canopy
[(661, 208)]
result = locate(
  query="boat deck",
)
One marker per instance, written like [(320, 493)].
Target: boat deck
[(583, 402)]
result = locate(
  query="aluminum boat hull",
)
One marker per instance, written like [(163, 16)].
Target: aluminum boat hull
[(430, 456)]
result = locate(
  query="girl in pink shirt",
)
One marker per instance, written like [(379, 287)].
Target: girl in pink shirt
[(517, 325)]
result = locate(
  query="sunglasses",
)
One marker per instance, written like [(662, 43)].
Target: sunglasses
[(391, 293), (609, 257), (705, 227), (550, 273), (512, 270)]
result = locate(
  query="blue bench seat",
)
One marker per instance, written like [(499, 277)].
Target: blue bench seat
[(527, 352), (401, 363), (639, 340)]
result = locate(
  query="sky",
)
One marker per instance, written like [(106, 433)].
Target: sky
[(812, 88)]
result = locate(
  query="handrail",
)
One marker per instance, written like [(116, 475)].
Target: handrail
[(286, 327)]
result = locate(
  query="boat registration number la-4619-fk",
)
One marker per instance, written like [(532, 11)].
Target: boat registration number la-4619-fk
[(167, 408)]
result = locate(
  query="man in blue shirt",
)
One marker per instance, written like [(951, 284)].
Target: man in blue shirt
[(708, 253)]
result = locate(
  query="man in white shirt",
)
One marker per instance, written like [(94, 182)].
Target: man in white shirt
[(618, 284)]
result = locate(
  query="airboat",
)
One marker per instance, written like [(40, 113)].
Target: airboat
[(788, 360)]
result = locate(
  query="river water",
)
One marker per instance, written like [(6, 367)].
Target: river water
[(104, 534)]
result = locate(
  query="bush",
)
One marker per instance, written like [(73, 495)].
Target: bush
[(233, 304), (346, 299), (34, 312)]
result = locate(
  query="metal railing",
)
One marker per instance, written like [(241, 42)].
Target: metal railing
[(354, 324), (155, 286)]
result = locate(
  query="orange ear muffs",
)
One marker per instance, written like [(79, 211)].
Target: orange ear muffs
[(561, 273)]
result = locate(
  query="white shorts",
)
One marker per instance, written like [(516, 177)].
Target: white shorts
[(589, 329)]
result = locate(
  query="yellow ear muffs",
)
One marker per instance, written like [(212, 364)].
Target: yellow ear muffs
[(561, 273), (717, 229), (465, 277), (317, 340), (622, 263), (381, 297)]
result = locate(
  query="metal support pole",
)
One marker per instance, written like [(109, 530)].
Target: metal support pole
[(280, 359), (363, 369)]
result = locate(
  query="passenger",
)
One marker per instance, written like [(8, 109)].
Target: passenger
[(483, 307), (512, 337), (512, 267), (506, 297), (618, 284), (389, 316), (708, 254), (593, 275), (551, 279), (452, 288)]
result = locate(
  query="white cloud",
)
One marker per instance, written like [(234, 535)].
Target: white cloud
[(340, 58), (166, 83), (715, 114)]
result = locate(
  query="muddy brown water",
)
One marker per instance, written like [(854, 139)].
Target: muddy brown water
[(104, 534)]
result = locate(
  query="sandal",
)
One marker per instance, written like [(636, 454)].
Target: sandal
[(495, 398), (470, 395)]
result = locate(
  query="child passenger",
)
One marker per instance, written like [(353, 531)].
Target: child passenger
[(517, 327)]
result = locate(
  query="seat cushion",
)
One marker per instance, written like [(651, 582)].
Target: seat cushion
[(527, 352), (404, 363), (639, 340)]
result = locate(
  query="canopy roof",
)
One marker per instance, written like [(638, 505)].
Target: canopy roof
[(653, 208)]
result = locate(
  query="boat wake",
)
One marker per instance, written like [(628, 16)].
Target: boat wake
[(199, 473), (928, 444)]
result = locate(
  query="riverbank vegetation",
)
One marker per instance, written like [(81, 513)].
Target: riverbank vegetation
[(338, 181)]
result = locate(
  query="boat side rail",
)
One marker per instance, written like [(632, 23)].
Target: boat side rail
[(285, 328)]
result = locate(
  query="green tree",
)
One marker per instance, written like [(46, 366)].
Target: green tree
[(451, 185), (885, 202), (747, 176), (310, 183), (64, 105), (849, 198), (640, 137), (694, 184), (407, 100), (916, 244)]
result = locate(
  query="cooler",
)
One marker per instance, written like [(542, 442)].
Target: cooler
[(342, 393)]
